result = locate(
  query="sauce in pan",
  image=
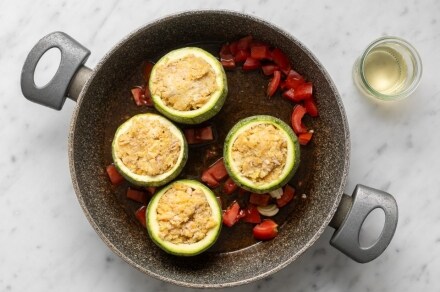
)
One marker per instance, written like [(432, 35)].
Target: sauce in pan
[(246, 97)]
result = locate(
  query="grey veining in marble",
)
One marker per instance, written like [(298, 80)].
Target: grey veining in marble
[(394, 147)]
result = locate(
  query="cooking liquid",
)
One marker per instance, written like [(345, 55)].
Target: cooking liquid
[(385, 70), (237, 106)]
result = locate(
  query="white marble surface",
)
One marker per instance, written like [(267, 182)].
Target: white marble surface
[(394, 147)]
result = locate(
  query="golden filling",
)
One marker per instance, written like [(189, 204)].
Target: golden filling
[(184, 215), (260, 153), (148, 148), (185, 84)]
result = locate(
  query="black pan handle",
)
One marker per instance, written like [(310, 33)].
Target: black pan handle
[(350, 216), (73, 56)]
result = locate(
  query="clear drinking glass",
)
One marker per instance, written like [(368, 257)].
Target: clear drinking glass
[(389, 69)]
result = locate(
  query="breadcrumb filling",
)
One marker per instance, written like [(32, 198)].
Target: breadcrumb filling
[(184, 215), (260, 153), (185, 84), (148, 147)]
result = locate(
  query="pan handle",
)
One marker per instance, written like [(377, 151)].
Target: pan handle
[(69, 78), (350, 216)]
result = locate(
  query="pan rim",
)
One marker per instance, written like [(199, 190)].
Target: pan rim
[(145, 270)]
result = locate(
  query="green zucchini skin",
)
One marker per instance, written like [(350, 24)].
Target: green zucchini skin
[(150, 182), (207, 111), (184, 250), (287, 174)]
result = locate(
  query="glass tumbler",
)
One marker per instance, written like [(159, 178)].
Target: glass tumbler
[(389, 69)]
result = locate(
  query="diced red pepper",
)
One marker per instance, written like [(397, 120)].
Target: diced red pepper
[(218, 170), (229, 186), (267, 55), (293, 80), (151, 190), (115, 177), (298, 113), (251, 215), (137, 93), (190, 136), (141, 96), (233, 47), (147, 71), (251, 64), (230, 215), (204, 134), (304, 91), (198, 135), (301, 92), (259, 199), (282, 84), (136, 195), (304, 138), (280, 59), (225, 50), (226, 57), (311, 107), (288, 194), (274, 83), (266, 230), (269, 69), (294, 75), (241, 56), (260, 52), (228, 62), (148, 101), (241, 214), (209, 179), (289, 94), (244, 43), (140, 215)]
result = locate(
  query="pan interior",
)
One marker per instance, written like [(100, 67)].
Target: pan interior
[(106, 103)]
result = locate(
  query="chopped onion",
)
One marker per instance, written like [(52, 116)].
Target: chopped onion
[(276, 194), (269, 210)]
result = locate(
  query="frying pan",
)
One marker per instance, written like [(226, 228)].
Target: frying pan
[(104, 102)]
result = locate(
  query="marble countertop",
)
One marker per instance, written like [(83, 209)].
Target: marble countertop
[(393, 147)]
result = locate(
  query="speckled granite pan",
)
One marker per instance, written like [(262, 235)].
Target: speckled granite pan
[(105, 102)]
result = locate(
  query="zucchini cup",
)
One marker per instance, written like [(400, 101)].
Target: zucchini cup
[(188, 85), (184, 218), (149, 150), (261, 153)]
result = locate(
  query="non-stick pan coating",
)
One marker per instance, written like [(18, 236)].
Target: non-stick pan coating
[(236, 258)]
